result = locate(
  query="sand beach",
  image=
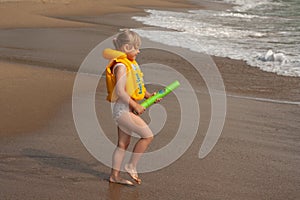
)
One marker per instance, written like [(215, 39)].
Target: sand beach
[(42, 45)]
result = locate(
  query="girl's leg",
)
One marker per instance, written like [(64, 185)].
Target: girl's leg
[(137, 125), (118, 156)]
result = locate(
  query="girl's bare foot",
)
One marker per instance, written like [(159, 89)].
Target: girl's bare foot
[(120, 181), (133, 173)]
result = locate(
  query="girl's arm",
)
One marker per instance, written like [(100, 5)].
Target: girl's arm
[(120, 73)]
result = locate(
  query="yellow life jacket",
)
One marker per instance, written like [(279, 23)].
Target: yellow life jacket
[(135, 87)]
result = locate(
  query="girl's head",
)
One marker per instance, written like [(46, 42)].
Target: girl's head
[(128, 42)]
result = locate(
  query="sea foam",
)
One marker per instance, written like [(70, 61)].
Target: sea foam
[(243, 36)]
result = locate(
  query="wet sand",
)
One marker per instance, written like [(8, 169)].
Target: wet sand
[(42, 157)]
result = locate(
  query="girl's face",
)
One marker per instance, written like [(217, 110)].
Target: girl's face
[(132, 52), (131, 55)]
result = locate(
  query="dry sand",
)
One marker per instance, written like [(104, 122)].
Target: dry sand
[(42, 157)]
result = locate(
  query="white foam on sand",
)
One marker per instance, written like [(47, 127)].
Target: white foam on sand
[(201, 31)]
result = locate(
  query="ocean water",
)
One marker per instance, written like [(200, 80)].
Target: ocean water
[(264, 33)]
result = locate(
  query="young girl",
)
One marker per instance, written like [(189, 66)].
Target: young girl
[(125, 87)]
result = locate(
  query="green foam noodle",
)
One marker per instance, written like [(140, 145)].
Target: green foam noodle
[(160, 94)]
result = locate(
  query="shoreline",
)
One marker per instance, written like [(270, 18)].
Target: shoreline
[(236, 74), (35, 14), (106, 22), (42, 156)]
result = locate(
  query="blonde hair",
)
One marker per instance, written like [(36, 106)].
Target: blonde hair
[(127, 37)]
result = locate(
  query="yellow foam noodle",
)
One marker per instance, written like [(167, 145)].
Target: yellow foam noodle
[(111, 53)]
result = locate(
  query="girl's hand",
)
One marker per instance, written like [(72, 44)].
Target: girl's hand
[(138, 109), (157, 100)]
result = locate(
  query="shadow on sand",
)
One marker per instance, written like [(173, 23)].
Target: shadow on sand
[(63, 162)]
